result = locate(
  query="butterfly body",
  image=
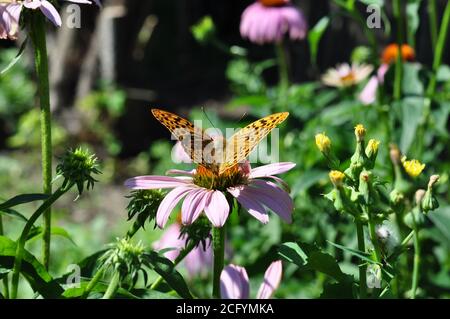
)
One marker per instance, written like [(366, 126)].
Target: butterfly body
[(217, 154)]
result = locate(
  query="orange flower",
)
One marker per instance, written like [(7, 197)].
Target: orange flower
[(273, 3), (390, 53)]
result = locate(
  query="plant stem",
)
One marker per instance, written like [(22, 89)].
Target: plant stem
[(41, 61), (218, 236), (362, 267), (399, 64), (177, 260), (432, 16), (113, 286), (98, 275), (5, 280), (440, 46), (283, 71), (416, 264), (20, 250), (378, 258)]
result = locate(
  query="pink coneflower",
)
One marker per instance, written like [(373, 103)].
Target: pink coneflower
[(206, 192), (234, 283), (345, 75), (267, 21), (10, 11), (197, 262), (9, 20)]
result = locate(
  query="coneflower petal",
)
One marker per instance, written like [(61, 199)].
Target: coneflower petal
[(234, 283), (271, 169), (217, 208), (272, 279), (169, 202), (251, 204), (193, 205), (155, 182)]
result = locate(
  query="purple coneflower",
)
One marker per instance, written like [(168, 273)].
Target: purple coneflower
[(10, 11), (9, 20), (204, 191), (267, 21), (197, 262), (234, 283), (369, 94)]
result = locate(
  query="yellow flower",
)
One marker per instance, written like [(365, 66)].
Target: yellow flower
[(412, 167), (336, 178), (373, 145), (323, 142), (360, 131)]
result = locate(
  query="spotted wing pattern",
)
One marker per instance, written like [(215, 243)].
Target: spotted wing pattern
[(240, 145)]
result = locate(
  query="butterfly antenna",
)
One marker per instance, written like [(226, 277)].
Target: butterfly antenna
[(207, 117), (241, 118)]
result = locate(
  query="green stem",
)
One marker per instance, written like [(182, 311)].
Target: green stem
[(41, 60), (177, 260), (432, 16), (440, 46), (218, 236), (113, 286), (20, 250), (98, 275), (5, 280), (363, 266), (416, 265), (283, 71), (378, 258), (399, 64)]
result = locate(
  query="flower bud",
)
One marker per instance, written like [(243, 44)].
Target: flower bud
[(360, 132), (394, 153), (418, 196), (197, 232), (372, 152), (337, 178), (396, 197), (77, 167), (414, 219), (204, 30), (323, 143), (429, 201)]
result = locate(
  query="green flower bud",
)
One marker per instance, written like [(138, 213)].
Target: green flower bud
[(198, 232), (77, 167), (429, 201), (396, 197), (359, 159), (144, 205), (414, 219)]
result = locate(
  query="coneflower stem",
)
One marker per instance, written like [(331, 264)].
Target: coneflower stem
[(283, 71), (113, 286), (37, 32), (218, 236), (177, 260), (362, 267), (416, 263), (5, 280), (399, 64)]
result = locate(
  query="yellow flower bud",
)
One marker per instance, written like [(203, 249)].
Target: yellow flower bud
[(412, 167), (360, 132), (372, 146), (323, 142), (337, 178)]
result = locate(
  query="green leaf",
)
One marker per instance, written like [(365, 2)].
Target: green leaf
[(22, 199), (38, 231), (38, 278), (166, 269), (13, 213), (16, 59), (341, 290), (412, 86), (412, 111), (360, 254), (314, 36), (412, 14), (311, 257), (292, 253), (441, 219)]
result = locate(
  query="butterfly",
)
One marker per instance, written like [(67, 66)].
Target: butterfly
[(217, 154)]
